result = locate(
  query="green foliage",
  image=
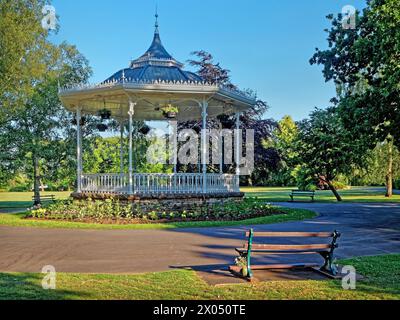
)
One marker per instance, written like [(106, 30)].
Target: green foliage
[(122, 212), (325, 147), (304, 177), (19, 183), (42, 125), (25, 53), (169, 108), (282, 140), (364, 63), (373, 171)]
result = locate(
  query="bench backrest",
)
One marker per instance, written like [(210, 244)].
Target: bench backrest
[(303, 192), (291, 234), (47, 197), (291, 247)]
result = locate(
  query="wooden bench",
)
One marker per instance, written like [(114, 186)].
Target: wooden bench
[(299, 193), (46, 198), (250, 248)]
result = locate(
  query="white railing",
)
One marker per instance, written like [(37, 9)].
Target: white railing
[(154, 183), (105, 183)]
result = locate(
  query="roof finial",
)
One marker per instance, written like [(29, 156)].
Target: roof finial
[(156, 25)]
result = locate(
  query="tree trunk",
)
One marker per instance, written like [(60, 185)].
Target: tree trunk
[(334, 191), (36, 180), (389, 172)]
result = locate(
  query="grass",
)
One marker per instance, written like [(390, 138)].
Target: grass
[(10, 200), (17, 220), (381, 272), (355, 194)]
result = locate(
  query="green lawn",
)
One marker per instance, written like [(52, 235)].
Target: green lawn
[(355, 194), (11, 200), (382, 282), (17, 220)]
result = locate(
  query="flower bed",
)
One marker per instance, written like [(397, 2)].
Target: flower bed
[(116, 212)]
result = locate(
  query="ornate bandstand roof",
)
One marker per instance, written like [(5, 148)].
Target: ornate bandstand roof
[(156, 64), (153, 80)]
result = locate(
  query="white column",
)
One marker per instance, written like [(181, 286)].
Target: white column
[(131, 114), (238, 148), (121, 127), (204, 144), (79, 149), (173, 125), (221, 146)]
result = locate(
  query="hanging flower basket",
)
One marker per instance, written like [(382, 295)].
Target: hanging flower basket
[(169, 111), (102, 127), (144, 130), (225, 121), (83, 121), (105, 114), (197, 129)]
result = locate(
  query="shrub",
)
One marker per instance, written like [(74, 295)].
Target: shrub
[(338, 185), (110, 209), (303, 178), (397, 184), (311, 187)]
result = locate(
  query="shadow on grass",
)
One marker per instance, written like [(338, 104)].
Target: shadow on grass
[(23, 286), (15, 204)]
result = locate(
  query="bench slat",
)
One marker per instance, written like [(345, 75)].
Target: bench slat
[(292, 234), (44, 197), (284, 266), (277, 247), (282, 252), (302, 194)]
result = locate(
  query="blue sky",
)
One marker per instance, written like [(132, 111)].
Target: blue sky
[(265, 43)]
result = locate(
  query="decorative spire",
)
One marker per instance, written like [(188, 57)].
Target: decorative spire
[(156, 25)]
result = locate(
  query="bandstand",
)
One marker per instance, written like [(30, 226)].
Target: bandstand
[(136, 93)]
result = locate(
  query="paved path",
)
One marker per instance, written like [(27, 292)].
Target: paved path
[(368, 229)]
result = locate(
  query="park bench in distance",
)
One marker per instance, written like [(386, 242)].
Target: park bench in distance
[(250, 248), (46, 198), (299, 193)]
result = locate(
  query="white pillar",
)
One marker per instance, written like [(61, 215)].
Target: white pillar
[(204, 144), (121, 127), (131, 114), (173, 125), (221, 151), (79, 149), (238, 148)]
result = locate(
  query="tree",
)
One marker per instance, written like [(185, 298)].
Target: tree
[(212, 72), (325, 148), (372, 172), (24, 52), (283, 140), (37, 132), (364, 63)]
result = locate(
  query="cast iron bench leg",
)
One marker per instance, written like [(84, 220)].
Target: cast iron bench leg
[(329, 266), (250, 244)]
